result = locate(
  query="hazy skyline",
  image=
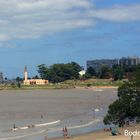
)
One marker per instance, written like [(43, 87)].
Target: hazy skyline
[(34, 32)]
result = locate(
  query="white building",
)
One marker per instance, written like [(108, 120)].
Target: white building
[(82, 72)]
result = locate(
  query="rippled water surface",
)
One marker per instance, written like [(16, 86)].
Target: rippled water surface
[(36, 113)]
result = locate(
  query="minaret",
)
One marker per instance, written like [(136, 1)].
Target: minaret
[(25, 73)]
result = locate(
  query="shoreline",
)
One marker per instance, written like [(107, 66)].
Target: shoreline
[(62, 88), (97, 87)]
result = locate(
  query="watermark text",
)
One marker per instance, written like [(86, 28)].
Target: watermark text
[(132, 133)]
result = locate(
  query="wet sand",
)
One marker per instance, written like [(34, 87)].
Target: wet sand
[(60, 104), (23, 107)]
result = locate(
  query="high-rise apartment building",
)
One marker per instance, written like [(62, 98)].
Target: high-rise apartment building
[(98, 63), (129, 61)]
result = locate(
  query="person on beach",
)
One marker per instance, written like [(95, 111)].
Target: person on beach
[(131, 137), (65, 133), (14, 126), (46, 138)]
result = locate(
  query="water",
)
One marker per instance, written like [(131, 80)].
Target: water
[(76, 109)]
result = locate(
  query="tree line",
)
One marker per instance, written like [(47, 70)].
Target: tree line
[(59, 72), (70, 71), (117, 72)]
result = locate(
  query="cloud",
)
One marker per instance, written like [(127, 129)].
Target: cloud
[(21, 19), (119, 13), (3, 37), (25, 19), (7, 45)]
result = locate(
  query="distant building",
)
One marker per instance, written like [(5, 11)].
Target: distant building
[(98, 63), (82, 72), (33, 81), (129, 61), (1, 77), (82, 68)]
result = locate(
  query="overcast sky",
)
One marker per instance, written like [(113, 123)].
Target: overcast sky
[(34, 32)]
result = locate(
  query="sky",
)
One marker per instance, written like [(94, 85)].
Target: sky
[(34, 32)]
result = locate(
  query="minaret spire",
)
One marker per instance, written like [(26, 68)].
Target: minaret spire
[(25, 73)]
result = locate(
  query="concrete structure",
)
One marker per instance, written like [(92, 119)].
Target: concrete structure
[(33, 81), (98, 63), (1, 77), (129, 61)]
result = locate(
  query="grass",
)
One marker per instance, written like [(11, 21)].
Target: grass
[(66, 84), (24, 87), (94, 82)]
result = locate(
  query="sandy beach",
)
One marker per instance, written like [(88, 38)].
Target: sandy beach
[(101, 135)]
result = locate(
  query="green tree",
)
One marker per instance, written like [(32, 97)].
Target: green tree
[(104, 72), (59, 72), (117, 72), (116, 113), (19, 85), (135, 76), (42, 70), (91, 71), (13, 85), (19, 79), (35, 77), (86, 76), (128, 103)]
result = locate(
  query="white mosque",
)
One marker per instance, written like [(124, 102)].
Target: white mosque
[(33, 81)]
